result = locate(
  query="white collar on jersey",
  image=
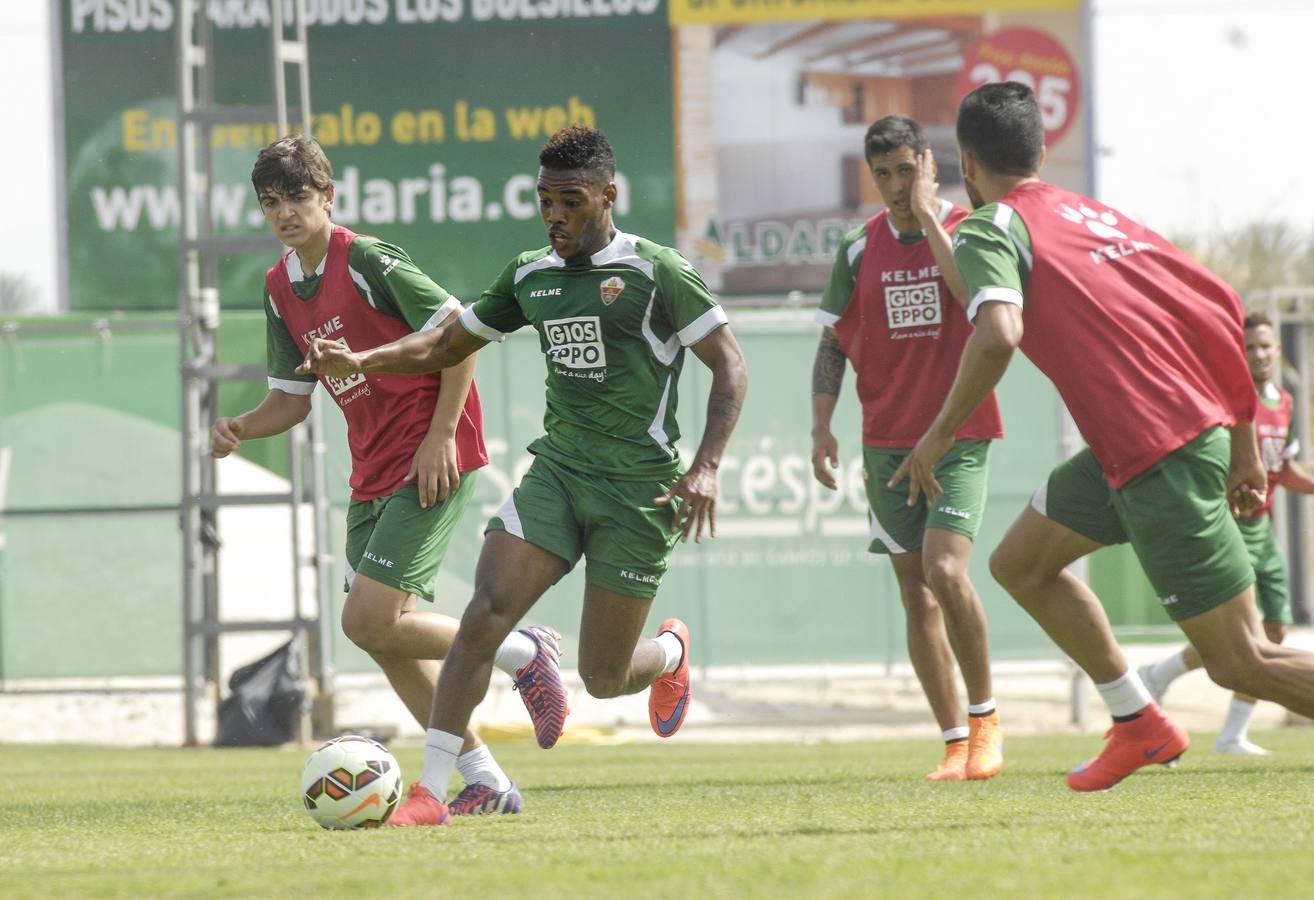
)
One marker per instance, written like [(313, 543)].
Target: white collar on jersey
[(1270, 391), (622, 245), (945, 208), (292, 263)]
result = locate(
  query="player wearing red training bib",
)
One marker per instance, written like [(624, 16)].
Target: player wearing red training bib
[(1144, 346), (416, 443), (1278, 448), (890, 312)]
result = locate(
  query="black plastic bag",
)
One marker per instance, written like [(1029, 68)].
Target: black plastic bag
[(265, 701)]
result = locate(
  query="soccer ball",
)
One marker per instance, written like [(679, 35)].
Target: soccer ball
[(351, 782)]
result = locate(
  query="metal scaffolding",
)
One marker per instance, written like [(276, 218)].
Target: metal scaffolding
[(199, 249)]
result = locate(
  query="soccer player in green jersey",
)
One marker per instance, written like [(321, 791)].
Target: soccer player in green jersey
[(614, 313), (1278, 447), (416, 444), (1145, 347), (890, 311)]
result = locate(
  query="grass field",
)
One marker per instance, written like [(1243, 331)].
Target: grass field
[(676, 820)]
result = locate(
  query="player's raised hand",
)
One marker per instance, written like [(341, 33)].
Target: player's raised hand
[(825, 458), (694, 499), (225, 436), (925, 196), (919, 467), (331, 358)]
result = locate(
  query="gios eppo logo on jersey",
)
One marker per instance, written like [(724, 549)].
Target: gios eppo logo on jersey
[(576, 343), (912, 305)]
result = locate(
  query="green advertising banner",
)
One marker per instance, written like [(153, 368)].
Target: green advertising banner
[(431, 111)]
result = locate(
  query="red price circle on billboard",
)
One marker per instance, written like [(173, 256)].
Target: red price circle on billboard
[(1035, 59)]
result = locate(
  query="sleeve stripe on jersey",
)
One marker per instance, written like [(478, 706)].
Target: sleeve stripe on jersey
[(364, 286), (985, 295), (450, 305), (478, 328), (288, 386), (855, 250), (551, 261), (269, 298), (666, 351), (1003, 217), (1293, 449), (702, 326), (828, 319)]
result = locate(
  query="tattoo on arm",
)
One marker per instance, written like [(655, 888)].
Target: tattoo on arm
[(723, 406), (828, 367)]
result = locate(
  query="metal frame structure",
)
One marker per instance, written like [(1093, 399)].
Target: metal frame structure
[(198, 314)]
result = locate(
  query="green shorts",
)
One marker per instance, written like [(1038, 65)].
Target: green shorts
[(1270, 569), (1174, 514), (897, 527), (395, 541), (624, 537)]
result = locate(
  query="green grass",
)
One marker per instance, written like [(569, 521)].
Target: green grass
[(672, 820)]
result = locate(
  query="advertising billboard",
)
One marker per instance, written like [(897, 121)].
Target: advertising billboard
[(773, 100), (431, 111)]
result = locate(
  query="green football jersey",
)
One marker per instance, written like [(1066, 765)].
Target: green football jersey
[(385, 278), (613, 332)]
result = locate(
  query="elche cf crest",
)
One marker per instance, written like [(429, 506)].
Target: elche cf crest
[(611, 289)]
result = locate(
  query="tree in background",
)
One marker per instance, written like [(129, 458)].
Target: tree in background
[(1256, 256), (18, 294)]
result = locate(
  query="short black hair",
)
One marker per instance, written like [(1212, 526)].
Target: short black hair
[(1255, 319), (289, 164), (1000, 124), (579, 147), (892, 132)]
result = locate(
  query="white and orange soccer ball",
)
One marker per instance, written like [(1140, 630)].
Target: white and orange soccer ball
[(351, 782)]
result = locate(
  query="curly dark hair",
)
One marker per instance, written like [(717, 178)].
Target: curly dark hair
[(579, 147)]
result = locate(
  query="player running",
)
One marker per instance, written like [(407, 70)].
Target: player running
[(614, 313), (1278, 447), (1144, 346), (416, 443), (889, 310)]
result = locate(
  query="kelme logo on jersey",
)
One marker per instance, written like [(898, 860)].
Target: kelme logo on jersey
[(912, 305), (576, 343), (611, 289)]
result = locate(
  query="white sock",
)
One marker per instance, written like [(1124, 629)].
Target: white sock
[(516, 652), (984, 708), (1165, 671), (479, 767), (673, 649), (440, 752), (1238, 719), (955, 734), (1125, 696)]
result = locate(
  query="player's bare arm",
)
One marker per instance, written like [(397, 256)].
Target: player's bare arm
[(414, 354), (1247, 481), (827, 376), (277, 413), (696, 491), (985, 358), (925, 202), (434, 467), (1295, 477)]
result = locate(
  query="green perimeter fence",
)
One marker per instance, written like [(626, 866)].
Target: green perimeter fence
[(90, 557)]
